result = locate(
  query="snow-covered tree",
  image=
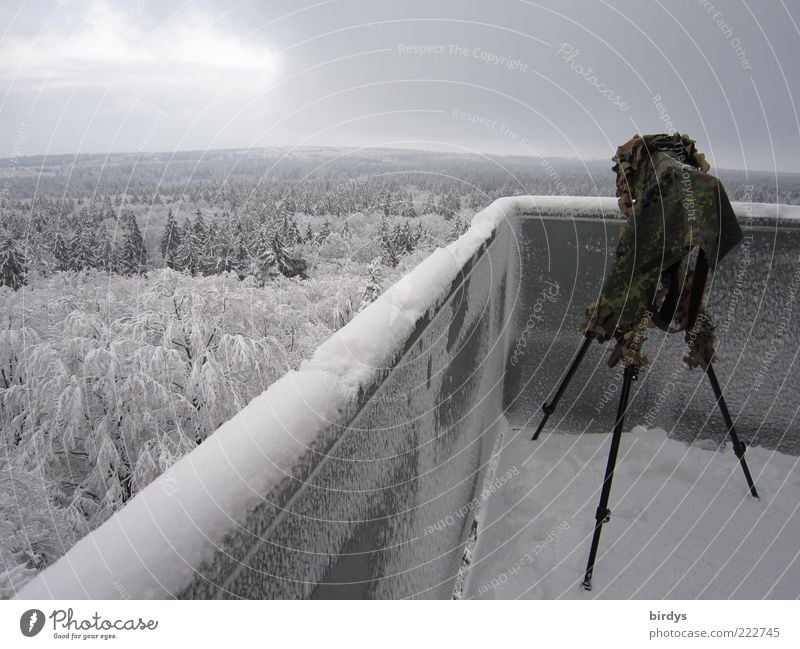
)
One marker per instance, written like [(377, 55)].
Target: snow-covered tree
[(209, 250), (13, 264), (374, 287), (390, 254), (170, 240), (325, 232), (240, 250), (84, 246), (287, 264), (106, 258), (61, 253), (409, 211), (35, 529), (459, 227), (289, 231), (187, 256), (132, 254), (223, 251)]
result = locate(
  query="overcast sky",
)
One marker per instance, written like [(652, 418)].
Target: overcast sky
[(548, 78)]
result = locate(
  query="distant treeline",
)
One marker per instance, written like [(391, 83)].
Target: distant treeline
[(53, 236), (238, 211), (321, 179)]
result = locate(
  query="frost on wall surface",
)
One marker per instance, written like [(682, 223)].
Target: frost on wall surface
[(750, 296), (377, 509)]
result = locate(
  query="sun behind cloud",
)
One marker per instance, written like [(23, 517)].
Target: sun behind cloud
[(107, 42)]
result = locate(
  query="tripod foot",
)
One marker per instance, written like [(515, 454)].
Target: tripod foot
[(603, 513), (739, 446), (548, 409)]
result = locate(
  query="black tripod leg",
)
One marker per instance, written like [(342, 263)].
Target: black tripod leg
[(603, 512), (550, 408), (739, 447)]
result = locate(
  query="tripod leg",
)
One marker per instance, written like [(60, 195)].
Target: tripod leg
[(550, 408), (603, 512), (738, 446)]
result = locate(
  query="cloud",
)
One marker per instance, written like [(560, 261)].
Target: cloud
[(94, 37)]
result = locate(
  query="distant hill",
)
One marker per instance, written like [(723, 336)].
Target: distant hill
[(292, 169)]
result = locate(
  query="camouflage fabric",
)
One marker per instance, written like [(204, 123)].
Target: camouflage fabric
[(700, 342), (677, 214)]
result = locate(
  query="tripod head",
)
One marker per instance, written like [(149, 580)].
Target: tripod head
[(680, 223)]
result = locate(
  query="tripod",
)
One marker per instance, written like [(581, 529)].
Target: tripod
[(631, 373)]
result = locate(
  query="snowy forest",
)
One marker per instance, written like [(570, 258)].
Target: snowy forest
[(146, 298)]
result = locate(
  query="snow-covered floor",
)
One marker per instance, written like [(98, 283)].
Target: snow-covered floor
[(683, 525)]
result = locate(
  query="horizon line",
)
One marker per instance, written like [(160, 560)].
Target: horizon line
[(13, 160)]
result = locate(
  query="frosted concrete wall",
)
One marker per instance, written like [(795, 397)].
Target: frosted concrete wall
[(752, 297), (361, 518)]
